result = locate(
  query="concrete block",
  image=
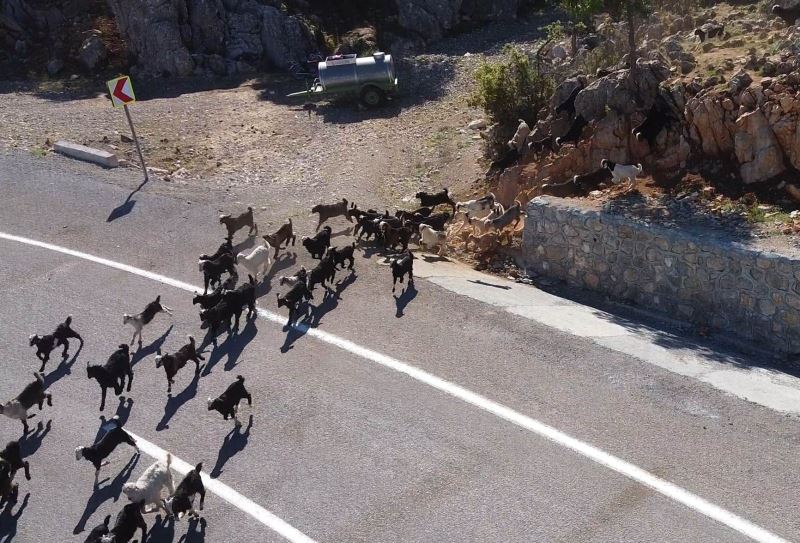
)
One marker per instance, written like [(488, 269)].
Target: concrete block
[(88, 154)]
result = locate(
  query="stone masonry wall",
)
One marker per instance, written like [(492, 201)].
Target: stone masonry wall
[(724, 285)]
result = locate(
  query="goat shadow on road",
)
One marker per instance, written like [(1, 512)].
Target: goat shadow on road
[(154, 348), (33, 441), (176, 402), (232, 347), (9, 520), (408, 294), (111, 491), (235, 442), (63, 369), (163, 529), (313, 318), (193, 535)]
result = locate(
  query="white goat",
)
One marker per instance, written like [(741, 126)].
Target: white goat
[(484, 224), (150, 484), (477, 205), (428, 237), (622, 171), (520, 137), (259, 261)]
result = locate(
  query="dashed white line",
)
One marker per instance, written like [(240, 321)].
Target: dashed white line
[(635, 473)]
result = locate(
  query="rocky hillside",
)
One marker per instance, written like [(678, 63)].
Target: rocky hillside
[(728, 106), (221, 37)]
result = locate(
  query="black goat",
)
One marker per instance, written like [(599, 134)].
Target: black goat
[(437, 221), (181, 502), (227, 403), (322, 272), (61, 336), (173, 362), (220, 314), (789, 15), (294, 297), (541, 145), (711, 29), (432, 200), (225, 249), (97, 453), (243, 295), (207, 301), (568, 104), (573, 135), (112, 374), (10, 462), (402, 265), (128, 521), (657, 119), (212, 270), (342, 254), (233, 224), (317, 245), (33, 394), (97, 533), (394, 236), (506, 161), (366, 226)]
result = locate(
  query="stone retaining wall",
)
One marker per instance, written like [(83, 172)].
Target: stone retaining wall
[(724, 285)]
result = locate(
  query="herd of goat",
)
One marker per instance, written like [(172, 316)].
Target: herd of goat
[(222, 302)]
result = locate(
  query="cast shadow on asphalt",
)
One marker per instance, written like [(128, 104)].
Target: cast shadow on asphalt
[(404, 299), (127, 206), (9, 520), (330, 301), (111, 492), (235, 441), (33, 441), (63, 369), (154, 348), (163, 529), (176, 402), (193, 535), (232, 347)]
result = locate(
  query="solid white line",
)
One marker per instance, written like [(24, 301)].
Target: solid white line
[(227, 493), (591, 452)]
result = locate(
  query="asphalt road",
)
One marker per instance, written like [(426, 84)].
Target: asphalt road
[(340, 447)]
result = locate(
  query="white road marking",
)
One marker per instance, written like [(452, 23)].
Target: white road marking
[(662, 486), (228, 494)]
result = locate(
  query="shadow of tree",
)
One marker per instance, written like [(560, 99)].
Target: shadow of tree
[(235, 441), (109, 492)]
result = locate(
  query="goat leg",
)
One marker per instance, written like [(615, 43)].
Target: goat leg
[(130, 379), (103, 398), (27, 468)]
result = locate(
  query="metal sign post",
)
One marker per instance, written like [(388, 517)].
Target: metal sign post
[(136, 141), (121, 91)]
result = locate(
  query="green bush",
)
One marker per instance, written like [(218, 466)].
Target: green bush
[(511, 89)]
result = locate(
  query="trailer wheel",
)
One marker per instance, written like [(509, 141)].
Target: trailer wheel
[(372, 96)]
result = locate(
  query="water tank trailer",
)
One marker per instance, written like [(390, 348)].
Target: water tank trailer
[(372, 79)]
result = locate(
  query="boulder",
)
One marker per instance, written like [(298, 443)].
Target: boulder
[(613, 91), (151, 30), (92, 53), (757, 150), (285, 37), (740, 81), (432, 19), (360, 41)]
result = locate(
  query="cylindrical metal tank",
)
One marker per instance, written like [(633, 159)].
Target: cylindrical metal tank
[(348, 73)]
